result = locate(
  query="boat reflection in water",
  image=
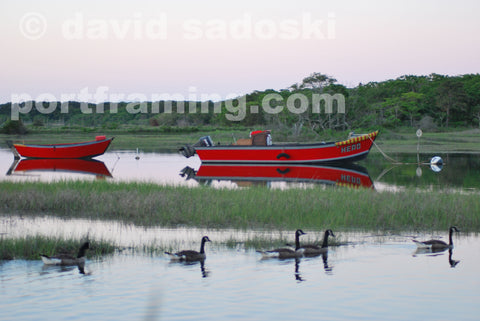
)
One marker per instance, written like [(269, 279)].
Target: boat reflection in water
[(68, 165), (350, 175)]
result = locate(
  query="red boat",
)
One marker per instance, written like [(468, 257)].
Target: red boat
[(73, 150), (351, 176), (258, 149), (72, 165)]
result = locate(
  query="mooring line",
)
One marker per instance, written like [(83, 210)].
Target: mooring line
[(384, 155), (393, 160)]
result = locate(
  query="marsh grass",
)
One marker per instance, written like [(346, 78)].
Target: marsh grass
[(31, 247), (155, 139), (282, 240), (146, 204)]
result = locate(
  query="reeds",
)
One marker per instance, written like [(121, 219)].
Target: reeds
[(31, 247), (148, 204)]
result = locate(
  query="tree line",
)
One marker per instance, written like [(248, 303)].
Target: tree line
[(433, 101)]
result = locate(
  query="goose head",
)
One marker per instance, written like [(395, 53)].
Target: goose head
[(454, 228), (299, 232), (329, 233)]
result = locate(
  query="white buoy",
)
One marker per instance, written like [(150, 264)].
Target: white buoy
[(138, 156), (437, 160), (436, 164)]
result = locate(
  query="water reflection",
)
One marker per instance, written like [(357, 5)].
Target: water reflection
[(298, 276), (437, 252), (205, 272), (458, 173), (326, 267), (46, 269), (350, 175), (77, 166), (453, 263)]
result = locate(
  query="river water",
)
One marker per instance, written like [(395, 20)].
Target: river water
[(368, 276), (460, 172)]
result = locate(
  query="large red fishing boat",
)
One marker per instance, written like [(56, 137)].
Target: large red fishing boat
[(259, 149)]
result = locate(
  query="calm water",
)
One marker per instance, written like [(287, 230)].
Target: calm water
[(460, 172), (370, 277)]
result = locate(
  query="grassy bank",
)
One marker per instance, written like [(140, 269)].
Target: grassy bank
[(317, 208), (153, 139)]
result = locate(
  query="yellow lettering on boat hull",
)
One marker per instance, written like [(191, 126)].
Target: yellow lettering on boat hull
[(350, 148)]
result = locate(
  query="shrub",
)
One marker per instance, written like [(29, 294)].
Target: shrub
[(13, 127)]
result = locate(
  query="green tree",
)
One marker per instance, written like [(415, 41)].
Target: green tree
[(450, 98), (411, 104)]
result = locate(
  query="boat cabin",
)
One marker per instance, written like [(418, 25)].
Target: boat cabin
[(257, 138)]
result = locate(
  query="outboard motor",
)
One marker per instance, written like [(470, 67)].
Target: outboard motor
[(205, 141), (189, 150)]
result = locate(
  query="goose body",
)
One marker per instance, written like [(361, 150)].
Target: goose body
[(190, 255), (312, 250), (286, 252), (438, 244), (65, 259)]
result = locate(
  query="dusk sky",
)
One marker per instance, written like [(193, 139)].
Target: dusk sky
[(129, 49)]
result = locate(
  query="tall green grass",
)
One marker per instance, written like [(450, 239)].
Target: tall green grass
[(31, 247), (149, 204)]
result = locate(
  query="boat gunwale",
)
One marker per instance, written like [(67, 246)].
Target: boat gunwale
[(372, 136)]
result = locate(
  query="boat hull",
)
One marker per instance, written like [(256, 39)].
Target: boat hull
[(350, 150), (75, 150)]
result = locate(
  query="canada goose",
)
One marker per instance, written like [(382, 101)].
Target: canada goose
[(312, 250), (437, 244), (286, 252), (65, 259), (190, 255)]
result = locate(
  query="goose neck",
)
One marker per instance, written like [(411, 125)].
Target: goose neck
[(325, 240)]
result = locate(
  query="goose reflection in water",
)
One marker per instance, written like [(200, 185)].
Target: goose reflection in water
[(298, 276), (327, 268), (437, 252), (203, 269), (62, 268), (453, 263)]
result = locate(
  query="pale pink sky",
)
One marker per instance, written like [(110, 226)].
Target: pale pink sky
[(147, 48)]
